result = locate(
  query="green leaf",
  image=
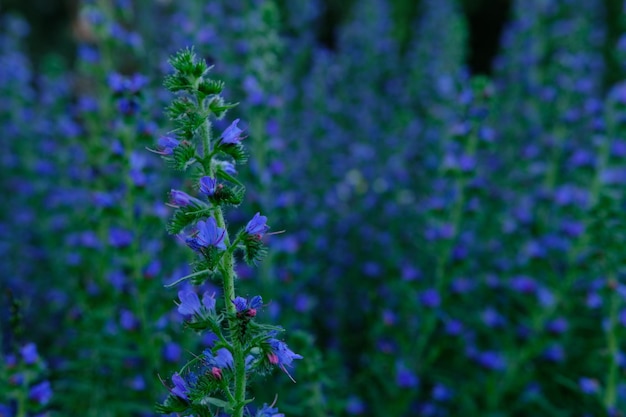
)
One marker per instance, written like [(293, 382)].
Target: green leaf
[(236, 151), (220, 173), (219, 107), (183, 156), (185, 216), (210, 87), (215, 401)]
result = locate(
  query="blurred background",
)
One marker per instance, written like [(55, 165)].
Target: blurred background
[(449, 175)]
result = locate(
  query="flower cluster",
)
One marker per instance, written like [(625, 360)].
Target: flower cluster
[(23, 388)]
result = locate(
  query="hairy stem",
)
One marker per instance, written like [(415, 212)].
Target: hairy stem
[(228, 272)]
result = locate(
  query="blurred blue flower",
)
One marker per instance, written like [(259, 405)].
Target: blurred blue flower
[(29, 353), (589, 385), (41, 393), (268, 411)]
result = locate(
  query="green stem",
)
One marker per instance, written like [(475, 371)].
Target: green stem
[(21, 401), (227, 268)]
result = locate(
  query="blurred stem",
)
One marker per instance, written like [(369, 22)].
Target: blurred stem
[(147, 343), (532, 349), (21, 400), (610, 393), (441, 273)]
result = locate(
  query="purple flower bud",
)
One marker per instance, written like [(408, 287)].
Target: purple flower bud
[(208, 186), (166, 145), (232, 134), (257, 226), (180, 198)]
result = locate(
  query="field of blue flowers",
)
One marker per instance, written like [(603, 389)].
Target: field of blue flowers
[(219, 209)]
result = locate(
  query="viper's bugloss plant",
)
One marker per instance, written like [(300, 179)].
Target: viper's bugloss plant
[(240, 346)]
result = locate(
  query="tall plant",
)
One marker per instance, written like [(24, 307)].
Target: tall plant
[(239, 347)]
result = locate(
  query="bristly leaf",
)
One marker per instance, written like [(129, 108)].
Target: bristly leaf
[(181, 107), (212, 255), (231, 196), (178, 82), (253, 248), (235, 150), (219, 107), (210, 87), (220, 173), (185, 216), (186, 63), (186, 116), (211, 274), (172, 404), (183, 156)]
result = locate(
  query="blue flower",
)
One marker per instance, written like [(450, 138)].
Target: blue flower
[(190, 303), (116, 82), (208, 185), (208, 235), (5, 411), (246, 307), (41, 393), (257, 226), (430, 298), (172, 352), (268, 411), (232, 134), (491, 360), (180, 387), (405, 378), (119, 237), (29, 353), (281, 355), (589, 385), (222, 359)]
